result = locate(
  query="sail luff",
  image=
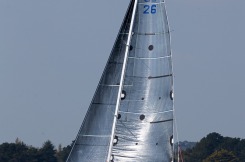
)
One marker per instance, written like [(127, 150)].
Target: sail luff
[(122, 78), (93, 138)]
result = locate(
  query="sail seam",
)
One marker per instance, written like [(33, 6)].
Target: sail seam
[(149, 58), (156, 33), (151, 3), (147, 113)]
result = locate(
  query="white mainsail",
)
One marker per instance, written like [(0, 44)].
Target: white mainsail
[(130, 118)]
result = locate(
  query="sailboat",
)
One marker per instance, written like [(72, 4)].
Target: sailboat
[(130, 118)]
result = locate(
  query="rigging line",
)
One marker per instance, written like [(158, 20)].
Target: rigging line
[(176, 133), (122, 78), (180, 153)]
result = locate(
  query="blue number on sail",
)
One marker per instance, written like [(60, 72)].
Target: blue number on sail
[(146, 9), (152, 7)]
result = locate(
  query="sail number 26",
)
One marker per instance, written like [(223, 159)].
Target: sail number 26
[(150, 9)]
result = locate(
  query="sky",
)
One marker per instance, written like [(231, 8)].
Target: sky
[(53, 52)]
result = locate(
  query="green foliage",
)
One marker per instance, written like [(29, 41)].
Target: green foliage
[(222, 155), (20, 152), (63, 153), (47, 152), (213, 147)]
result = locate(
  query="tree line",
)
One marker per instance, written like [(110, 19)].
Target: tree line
[(212, 148), (216, 148), (20, 152)]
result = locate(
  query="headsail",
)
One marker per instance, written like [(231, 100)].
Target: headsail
[(141, 129)]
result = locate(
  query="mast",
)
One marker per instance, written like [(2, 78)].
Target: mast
[(122, 78)]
